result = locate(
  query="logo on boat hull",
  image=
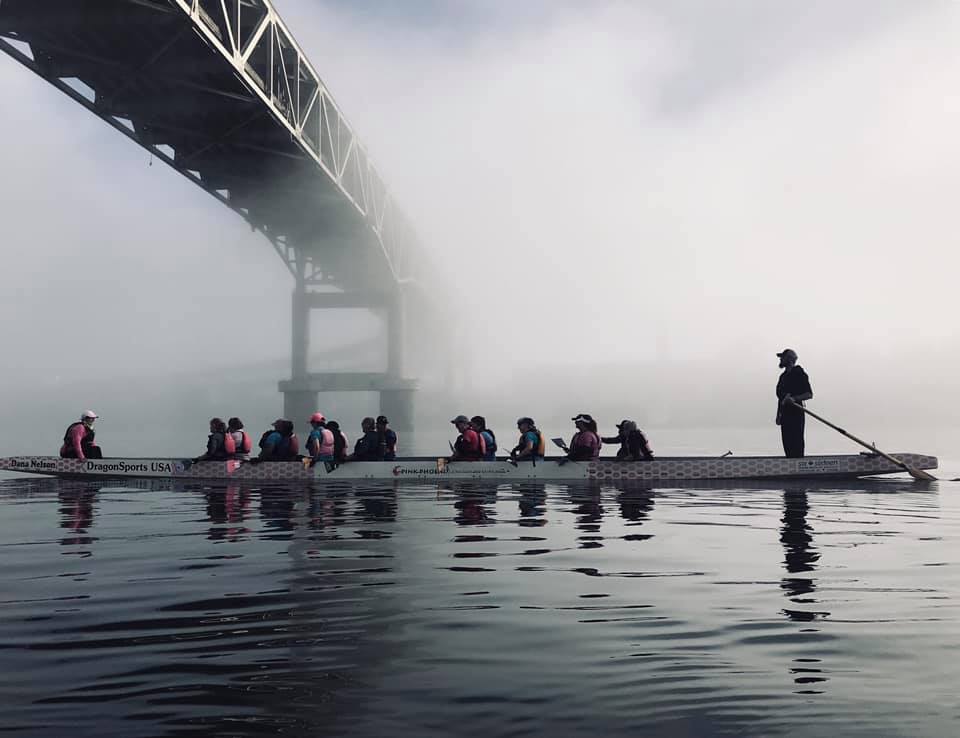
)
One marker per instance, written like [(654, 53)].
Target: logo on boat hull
[(418, 471), (818, 464)]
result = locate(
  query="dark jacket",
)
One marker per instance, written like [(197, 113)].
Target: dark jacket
[(215, 446), (633, 446), (368, 447)]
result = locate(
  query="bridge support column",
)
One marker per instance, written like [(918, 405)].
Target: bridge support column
[(396, 402), (300, 331), (397, 405), (299, 405), (301, 391), (396, 333)]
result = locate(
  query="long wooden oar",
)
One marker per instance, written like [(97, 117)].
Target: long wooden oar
[(918, 474)]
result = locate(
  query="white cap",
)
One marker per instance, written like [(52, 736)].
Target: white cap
[(89, 414)]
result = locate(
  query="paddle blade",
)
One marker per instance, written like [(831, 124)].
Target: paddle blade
[(920, 475), (560, 442)]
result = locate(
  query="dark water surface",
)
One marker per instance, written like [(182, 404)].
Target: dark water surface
[(194, 610)]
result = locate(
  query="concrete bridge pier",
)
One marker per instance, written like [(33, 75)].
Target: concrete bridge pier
[(301, 391)]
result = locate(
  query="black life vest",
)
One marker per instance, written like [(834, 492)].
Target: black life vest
[(223, 445), (638, 445), (381, 444), (339, 445), (369, 447)]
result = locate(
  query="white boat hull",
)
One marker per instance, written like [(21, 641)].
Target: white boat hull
[(421, 469)]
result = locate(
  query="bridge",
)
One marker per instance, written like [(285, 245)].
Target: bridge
[(220, 91)]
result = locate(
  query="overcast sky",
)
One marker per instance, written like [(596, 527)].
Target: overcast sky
[(598, 182)]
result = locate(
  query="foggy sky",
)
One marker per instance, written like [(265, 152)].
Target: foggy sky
[(612, 183)]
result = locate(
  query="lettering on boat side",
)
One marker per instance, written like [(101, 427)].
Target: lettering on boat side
[(815, 464), (45, 464), (105, 467), (440, 469), (418, 471), (167, 466)]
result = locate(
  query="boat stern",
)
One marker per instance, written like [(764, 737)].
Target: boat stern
[(918, 461)]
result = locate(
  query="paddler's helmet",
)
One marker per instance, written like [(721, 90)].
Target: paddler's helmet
[(527, 421), (89, 415), (317, 418)]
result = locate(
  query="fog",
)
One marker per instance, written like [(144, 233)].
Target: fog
[(632, 206)]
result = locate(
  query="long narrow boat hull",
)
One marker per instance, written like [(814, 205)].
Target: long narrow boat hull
[(421, 469)]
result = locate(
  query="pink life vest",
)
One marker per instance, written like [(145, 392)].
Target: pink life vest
[(326, 443)]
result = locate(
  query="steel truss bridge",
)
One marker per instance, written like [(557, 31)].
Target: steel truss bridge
[(220, 91)]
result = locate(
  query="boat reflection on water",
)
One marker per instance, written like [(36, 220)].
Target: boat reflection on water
[(358, 608), (377, 506), (800, 555), (532, 499), (228, 509), (327, 511), (76, 508), (474, 503), (277, 512), (587, 507), (800, 558), (635, 505)]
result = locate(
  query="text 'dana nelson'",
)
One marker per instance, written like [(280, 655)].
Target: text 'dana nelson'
[(45, 464)]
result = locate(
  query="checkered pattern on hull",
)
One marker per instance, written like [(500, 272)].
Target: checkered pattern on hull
[(755, 467), (677, 469)]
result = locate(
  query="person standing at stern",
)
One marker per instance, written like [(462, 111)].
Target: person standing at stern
[(793, 388)]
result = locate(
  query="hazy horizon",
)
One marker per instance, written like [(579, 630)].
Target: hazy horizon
[(626, 185)]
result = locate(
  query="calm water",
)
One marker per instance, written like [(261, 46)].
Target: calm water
[(179, 610)]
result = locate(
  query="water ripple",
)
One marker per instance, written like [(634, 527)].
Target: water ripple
[(189, 610)]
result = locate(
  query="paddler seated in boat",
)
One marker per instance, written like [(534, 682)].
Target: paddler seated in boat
[(368, 447), (469, 445), (633, 443), (585, 443), (339, 441), (280, 444), (78, 440), (531, 445), (388, 437), (479, 424), (320, 440), (241, 439), (220, 443)]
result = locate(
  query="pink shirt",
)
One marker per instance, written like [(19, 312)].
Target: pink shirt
[(75, 438)]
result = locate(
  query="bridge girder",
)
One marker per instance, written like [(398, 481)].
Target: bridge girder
[(220, 91)]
